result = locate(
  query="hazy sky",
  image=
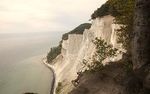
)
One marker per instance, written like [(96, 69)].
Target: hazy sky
[(45, 15)]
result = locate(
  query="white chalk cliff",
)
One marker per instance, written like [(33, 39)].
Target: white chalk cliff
[(79, 47)]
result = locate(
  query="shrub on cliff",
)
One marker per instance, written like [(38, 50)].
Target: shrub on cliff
[(103, 51), (78, 30), (59, 87), (54, 52)]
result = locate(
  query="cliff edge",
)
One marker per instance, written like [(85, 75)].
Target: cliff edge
[(79, 47)]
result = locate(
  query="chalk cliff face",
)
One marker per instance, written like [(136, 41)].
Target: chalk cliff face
[(79, 47)]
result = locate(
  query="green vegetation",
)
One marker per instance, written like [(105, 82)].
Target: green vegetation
[(128, 67), (103, 51), (133, 82), (54, 52), (123, 11), (125, 8), (59, 87), (78, 30), (105, 9), (126, 17)]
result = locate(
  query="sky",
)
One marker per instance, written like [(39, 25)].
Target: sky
[(45, 15)]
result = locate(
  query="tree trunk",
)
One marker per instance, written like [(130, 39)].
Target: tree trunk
[(141, 41)]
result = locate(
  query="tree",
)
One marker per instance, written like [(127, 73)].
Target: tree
[(125, 9), (103, 51), (141, 42)]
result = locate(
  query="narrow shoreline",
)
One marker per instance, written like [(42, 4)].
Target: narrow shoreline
[(52, 90)]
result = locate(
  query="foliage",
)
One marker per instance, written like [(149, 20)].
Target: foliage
[(124, 16), (105, 9), (78, 30), (59, 87), (103, 51), (126, 10), (123, 11), (54, 52), (128, 67)]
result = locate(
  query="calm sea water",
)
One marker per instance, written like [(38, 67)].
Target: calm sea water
[(21, 68)]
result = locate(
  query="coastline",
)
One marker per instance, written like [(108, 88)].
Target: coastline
[(53, 86)]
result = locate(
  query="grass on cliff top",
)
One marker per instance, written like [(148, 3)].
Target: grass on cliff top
[(78, 30)]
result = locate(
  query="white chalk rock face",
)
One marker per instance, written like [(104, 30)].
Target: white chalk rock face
[(79, 47)]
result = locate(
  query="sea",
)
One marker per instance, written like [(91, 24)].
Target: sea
[(21, 67)]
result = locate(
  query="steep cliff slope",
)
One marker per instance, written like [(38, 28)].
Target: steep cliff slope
[(118, 75), (78, 47), (109, 80)]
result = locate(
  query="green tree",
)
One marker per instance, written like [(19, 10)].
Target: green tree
[(125, 9), (105, 9), (103, 51)]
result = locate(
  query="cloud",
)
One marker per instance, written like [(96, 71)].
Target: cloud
[(45, 15)]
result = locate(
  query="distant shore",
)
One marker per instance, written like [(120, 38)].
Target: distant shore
[(52, 90)]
